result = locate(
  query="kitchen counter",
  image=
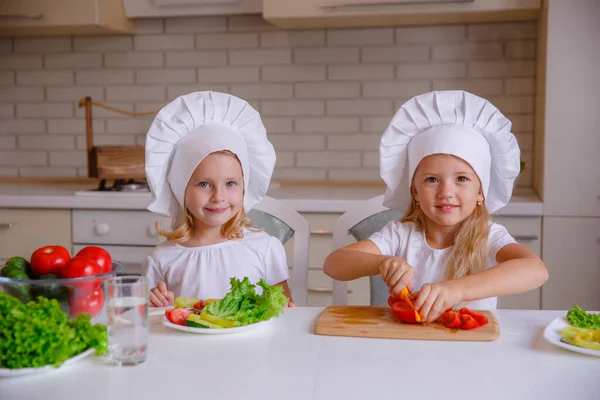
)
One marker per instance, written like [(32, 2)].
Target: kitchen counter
[(286, 360), (324, 199)]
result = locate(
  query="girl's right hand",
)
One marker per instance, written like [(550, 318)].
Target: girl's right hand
[(397, 274), (160, 296)]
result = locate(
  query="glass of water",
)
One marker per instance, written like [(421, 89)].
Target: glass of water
[(127, 312)]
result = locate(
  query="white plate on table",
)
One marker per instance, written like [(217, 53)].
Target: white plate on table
[(9, 373), (209, 331), (552, 334)]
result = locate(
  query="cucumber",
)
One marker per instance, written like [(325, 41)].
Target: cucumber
[(195, 321)]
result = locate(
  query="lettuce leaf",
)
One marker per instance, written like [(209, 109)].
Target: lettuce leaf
[(244, 306), (581, 319), (39, 333)]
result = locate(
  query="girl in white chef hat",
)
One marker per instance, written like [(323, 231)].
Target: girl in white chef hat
[(208, 162), (449, 160)]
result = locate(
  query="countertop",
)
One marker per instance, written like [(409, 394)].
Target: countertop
[(286, 360), (318, 199)]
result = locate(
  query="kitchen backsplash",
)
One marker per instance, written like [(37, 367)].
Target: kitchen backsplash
[(325, 96)]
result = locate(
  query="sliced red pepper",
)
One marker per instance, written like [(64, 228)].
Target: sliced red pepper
[(451, 319), (467, 322), (404, 311), (480, 318)]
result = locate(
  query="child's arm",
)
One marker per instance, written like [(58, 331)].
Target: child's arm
[(518, 270), (365, 259)]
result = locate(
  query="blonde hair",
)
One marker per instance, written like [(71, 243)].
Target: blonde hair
[(232, 229), (469, 254)]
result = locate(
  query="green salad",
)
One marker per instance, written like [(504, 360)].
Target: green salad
[(244, 306), (580, 318), (39, 333)]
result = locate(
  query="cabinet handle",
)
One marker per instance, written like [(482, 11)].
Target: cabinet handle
[(321, 232), (526, 237), (324, 290), (102, 228), (22, 16), (6, 225), (333, 6)]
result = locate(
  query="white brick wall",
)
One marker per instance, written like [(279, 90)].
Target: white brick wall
[(325, 96)]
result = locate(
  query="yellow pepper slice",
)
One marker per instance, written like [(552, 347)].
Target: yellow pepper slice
[(404, 295)]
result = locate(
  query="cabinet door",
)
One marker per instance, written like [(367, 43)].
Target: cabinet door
[(355, 13), (22, 231), (571, 251), (63, 17), (571, 162), (320, 293), (188, 8), (115, 227), (526, 231)]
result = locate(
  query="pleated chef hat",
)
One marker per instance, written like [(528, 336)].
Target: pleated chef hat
[(449, 122), (191, 127)]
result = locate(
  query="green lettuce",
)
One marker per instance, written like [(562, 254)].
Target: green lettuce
[(244, 306), (581, 319), (39, 333)]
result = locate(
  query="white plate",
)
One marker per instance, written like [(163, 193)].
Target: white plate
[(8, 373), (552, 335), (208, 331)]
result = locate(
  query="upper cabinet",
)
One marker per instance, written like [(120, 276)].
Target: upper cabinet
[(188, 8), (571, 165), (63, 17), (359, 13)]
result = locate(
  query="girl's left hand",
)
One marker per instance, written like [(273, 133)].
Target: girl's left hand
[(435, 298)]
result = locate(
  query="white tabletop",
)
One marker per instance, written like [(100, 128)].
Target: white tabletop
[(285, 360)]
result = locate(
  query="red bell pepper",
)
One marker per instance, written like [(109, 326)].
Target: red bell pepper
[(451, 319), (480, 318), (403, 310)]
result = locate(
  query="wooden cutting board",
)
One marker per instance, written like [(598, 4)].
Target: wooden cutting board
[(380, 322)]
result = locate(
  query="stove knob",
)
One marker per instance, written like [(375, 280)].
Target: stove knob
[(152, 231), (102, 228)]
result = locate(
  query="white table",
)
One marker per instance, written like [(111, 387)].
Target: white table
[(285, 360)]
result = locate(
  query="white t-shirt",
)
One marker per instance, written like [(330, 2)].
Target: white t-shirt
[(204, 272), (409, 243)]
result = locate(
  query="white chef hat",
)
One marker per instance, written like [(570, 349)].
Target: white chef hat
[(195, 125), (449, 122)]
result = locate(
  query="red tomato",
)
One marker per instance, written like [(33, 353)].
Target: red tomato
[(178, 315), (49, 260), (199, 305), (480, 318), (99, 255), (79, 267), (451, 319), (91, 304)]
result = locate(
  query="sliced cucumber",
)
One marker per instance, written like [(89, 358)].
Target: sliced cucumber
[(195, 321)]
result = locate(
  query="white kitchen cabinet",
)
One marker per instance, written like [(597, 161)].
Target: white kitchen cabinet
[(571, 251), (22, 231), (528, 232), (63, 17), (571, 167), (319, 285), (189, 8), (111, 227), (308, 14)]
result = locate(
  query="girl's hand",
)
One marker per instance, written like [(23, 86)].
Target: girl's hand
[(160, 296), (435, 298), (397, 274), (290, 304)]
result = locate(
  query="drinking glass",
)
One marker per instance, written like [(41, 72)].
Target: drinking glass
[(127, 312)]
